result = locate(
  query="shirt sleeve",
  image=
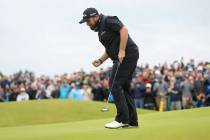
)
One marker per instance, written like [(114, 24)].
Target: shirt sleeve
[(113, 23)]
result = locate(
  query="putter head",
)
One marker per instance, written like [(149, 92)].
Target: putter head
[(104, 110)]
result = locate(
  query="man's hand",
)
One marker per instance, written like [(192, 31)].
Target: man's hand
[(121, 55), (103, 58), (96, 63)]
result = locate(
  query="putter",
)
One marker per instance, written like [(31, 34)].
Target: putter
[(106, 108)]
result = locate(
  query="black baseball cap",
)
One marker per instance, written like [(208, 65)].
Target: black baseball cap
[(89, 12)]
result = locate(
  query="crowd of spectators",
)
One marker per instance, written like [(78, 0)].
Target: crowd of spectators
[(162, 87), (172, 87)]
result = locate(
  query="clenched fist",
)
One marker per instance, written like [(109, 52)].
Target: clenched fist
[(96, 63)]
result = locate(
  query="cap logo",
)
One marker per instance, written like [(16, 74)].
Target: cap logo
[(92, 14), (84, 15)]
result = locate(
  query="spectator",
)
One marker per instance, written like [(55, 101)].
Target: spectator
[(3, 95), (207, 90), (187, 92), (149, 98), (200, 100), (175, 94), (32, 91), (15, 90), (4, 82), (139, 90), (64, 90), (160, 87), (76, 93), (55, 92), (98, 94), (86, 90), (199, 86), (22, 96), (41, 93), (49, 89)]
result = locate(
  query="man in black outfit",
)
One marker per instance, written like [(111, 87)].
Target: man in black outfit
[(120, 48)]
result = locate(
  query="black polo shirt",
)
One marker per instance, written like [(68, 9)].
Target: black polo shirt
[(109, 36)]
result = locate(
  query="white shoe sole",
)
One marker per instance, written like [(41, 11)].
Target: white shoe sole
[(125, 126)]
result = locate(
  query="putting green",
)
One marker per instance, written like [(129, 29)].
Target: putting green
[(65, 120)]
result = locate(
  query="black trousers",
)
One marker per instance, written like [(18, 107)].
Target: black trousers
[(121, 92)]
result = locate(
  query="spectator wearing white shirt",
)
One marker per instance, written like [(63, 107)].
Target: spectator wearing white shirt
[(86, 90), (23, 96)]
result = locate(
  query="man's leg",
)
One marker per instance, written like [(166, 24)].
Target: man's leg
[(133, 119), (127, 69), (121, 90), (118, 95)]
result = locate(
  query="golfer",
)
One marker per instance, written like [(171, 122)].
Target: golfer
[(119, 47)]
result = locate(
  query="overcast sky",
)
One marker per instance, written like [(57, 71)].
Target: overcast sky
[(44, 35)]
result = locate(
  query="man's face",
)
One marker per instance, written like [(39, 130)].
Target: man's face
[(92, 21)]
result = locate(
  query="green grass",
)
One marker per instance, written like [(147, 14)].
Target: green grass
[(65, 120), (52, 111)]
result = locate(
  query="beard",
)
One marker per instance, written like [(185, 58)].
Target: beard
[(93, 27)]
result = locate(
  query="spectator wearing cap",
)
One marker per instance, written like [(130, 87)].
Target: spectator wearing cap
[(22, 96), (149, 98)]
